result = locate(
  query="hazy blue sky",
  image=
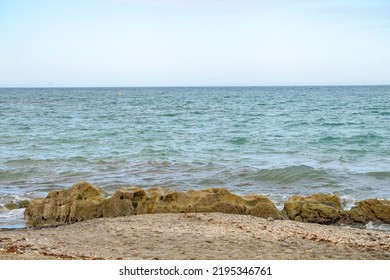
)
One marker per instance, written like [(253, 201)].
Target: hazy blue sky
[(194, 42)]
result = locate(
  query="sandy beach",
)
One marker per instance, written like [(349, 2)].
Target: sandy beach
[(194, 236)]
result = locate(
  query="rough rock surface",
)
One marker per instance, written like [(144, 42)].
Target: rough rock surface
[(83, 202), (119, 204), (370, 210), (11, 205), (317, 208), (208, 200), (16, 205)]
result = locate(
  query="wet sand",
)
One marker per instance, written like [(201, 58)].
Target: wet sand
[(194, 236)]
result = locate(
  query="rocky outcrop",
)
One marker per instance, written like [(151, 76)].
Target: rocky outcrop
[(208, 200), (120, 204), (82, 202), (370, 210), (317, 208), (11, 205), (326, 209), (16, 205)]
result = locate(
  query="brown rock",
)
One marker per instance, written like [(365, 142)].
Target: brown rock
[(370, 210), (24, 203), (317, 208), (15, 205), (120, 204), (208, 200), (81, 202), (34, 213), (11, 205)]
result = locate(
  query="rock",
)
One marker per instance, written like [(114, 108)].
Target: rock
[(209, 200), (16, 205), (24, 203), (81, 202), (11, 205), (370, 210), (317, 208), (120, 204)]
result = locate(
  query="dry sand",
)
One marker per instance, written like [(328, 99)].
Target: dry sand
[(194, 236)]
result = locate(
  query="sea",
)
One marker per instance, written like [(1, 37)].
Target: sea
[(275, 141)]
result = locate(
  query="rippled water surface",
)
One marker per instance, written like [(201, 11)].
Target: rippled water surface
[(277, 141)]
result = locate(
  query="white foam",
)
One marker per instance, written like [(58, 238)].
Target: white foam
[(347, 201), (12, 219), (376, 226)]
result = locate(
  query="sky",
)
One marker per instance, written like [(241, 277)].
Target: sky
[(111, 43)]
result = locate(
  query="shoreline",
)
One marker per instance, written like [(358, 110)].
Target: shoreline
[(194, 236)]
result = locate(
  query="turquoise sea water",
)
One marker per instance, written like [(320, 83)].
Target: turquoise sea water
[(277, 141)]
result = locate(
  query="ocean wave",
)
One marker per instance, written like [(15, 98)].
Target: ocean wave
[(26, 161), (377, 226), (12, 219), (287, 175), (169, 115), (211, 182), (363, 138), (332, 124), (355, 139), (347, 201), (16, 198), (13, 175), (238, 141), (329, 139), (379, 175)]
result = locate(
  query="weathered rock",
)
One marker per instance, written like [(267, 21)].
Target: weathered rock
[(317, 208), (81, 202), (24, 203), (120, 204), (208, 200), (16, 205), (11, 205), (370, 210)]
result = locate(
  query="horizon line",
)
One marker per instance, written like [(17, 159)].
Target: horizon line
[(203, 86)]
